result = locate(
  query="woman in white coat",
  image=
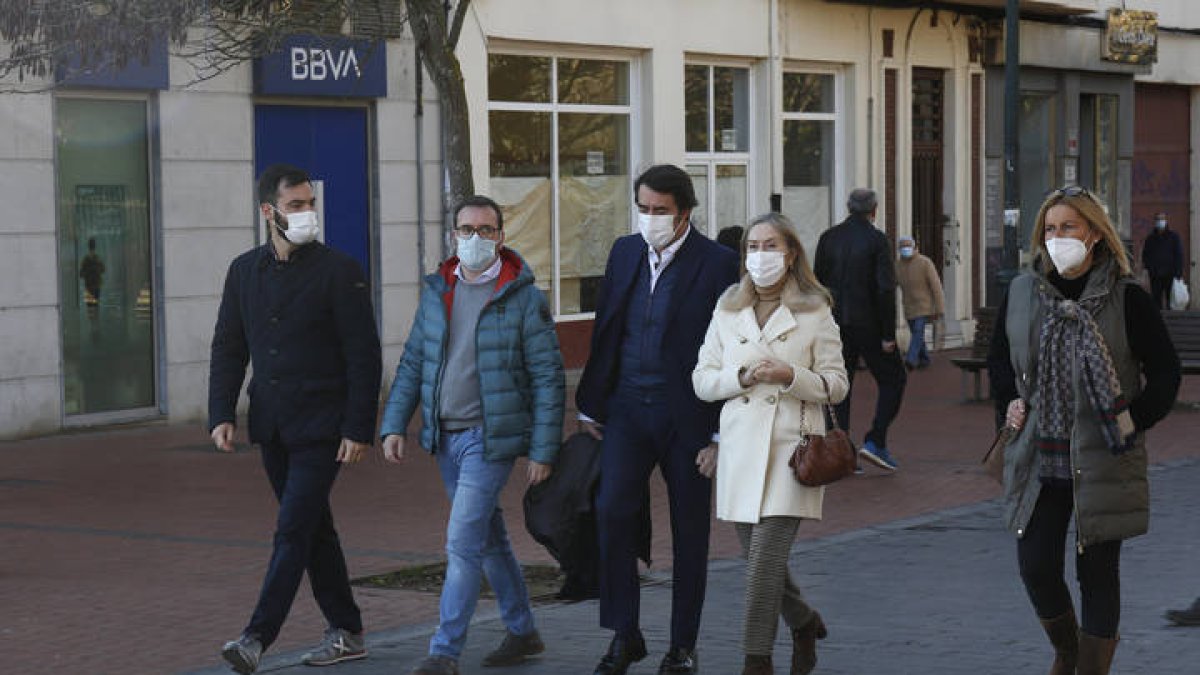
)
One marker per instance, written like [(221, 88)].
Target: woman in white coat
[(773, 353)]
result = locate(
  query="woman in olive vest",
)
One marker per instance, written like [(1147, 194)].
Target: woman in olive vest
[(1081, 366)]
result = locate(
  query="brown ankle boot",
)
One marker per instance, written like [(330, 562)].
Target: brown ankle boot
[(758, 665), (1095, 654), (1063, 632), (804, 645)]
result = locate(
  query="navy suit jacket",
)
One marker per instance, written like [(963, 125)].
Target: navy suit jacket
[(705, 270)]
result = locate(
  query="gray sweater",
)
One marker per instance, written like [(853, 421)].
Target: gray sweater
[(459, 401)]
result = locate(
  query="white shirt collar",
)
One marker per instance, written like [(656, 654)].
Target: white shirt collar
[(661, 260), (490, 274)]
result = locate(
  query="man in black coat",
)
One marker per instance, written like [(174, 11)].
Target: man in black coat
[(300, 312), (1162, 257), (854, 261)]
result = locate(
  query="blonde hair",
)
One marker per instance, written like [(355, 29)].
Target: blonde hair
[(799, 270), (1086, 205)]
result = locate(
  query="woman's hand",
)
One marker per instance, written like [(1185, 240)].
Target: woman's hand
[(1015, 417), (767, 371)]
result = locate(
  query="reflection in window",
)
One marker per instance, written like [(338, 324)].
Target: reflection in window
[(1036, 157), (808, 92), (717, 121), (808, 154), (593, 82), (564, 221), (518, 78), (105, 255), (1106, 152)]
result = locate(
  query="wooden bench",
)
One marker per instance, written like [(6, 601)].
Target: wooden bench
[(976, 363), (1184, 329)]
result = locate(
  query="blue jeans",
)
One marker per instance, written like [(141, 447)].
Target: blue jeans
[(476, 543), (917, 355)]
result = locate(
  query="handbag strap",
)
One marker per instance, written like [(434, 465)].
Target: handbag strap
[(827, 405)]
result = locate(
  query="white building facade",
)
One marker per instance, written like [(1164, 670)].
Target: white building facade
[(769, 104)]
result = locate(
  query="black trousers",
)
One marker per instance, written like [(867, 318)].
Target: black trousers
[(1160, 290), (305, 540), (1041, 555), (888, 371)]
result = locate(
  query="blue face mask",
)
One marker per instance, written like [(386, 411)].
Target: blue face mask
[(906, 251), (1160, 224), (476, 253)]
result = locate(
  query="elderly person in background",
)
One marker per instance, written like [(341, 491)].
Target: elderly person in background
[(773, 355), (923, 299)]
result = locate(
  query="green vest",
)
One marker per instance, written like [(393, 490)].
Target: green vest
[(1112, 499)]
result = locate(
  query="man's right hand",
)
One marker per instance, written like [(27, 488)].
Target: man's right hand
[(393, 448), (593, 429), (222, 436)]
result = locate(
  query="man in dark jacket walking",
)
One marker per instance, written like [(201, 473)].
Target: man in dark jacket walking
[(1162, 257), (300, 312), (854, 261)]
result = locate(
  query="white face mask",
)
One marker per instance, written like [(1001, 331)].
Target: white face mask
[(658, 231), (476, 253), (302, 227), (766, 268), (1160, 224), (1067, 253), (906, 251)]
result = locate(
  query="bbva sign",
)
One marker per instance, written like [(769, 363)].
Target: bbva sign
[(310, 65)]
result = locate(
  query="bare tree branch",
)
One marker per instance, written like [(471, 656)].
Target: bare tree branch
[(460, 15)]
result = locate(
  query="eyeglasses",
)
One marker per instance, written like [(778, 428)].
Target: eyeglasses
[(485, 231)]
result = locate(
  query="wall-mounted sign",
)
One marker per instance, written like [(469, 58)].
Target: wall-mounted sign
[(1131, 36), (315, 65), (102, 72)]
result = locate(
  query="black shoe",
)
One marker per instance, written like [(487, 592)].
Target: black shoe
[(679, 660), (622, 653), (1185, 617)]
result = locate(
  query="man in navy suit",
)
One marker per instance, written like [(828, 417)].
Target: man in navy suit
[(636, 395)]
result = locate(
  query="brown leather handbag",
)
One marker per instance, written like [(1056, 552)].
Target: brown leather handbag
[(821, 460)]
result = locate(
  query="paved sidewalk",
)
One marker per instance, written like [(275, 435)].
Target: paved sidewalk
[(932, 595), (140, 550)]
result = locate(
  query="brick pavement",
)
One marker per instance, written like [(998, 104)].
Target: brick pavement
[(935, 594), (144, 534)]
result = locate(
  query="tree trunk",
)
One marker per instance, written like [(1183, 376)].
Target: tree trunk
[(428, 21)]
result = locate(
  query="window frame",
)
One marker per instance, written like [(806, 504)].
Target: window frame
[(711, 158), (837, 187), (553, 107)]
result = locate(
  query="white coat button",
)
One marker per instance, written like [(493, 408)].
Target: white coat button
[(771, 400), (783, 338), (745, 399), (742, 339)]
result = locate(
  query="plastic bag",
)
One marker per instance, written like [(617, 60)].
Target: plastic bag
[(1179, 295)]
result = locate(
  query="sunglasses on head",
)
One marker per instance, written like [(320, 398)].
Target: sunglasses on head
[(1072, 191)]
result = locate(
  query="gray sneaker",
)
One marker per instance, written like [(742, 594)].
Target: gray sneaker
[(243, 654), (339, 645)]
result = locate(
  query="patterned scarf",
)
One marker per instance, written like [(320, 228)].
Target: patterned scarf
[(1069, 333)]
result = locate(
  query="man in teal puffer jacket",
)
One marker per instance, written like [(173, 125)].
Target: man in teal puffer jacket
[(483, 362)]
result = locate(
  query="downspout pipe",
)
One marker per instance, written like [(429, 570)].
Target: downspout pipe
[(419, 133), (776, 102), (1012, 92)]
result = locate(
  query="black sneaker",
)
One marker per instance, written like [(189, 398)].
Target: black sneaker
[(515, 649), (243, 654)]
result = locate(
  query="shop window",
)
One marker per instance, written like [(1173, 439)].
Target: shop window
[(811, 130), (560, 167), (1036, 167), (1098, 147), (717, 127), (105, 255)]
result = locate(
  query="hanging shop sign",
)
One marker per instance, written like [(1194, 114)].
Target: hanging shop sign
[(316, 65), (1131, 36)]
